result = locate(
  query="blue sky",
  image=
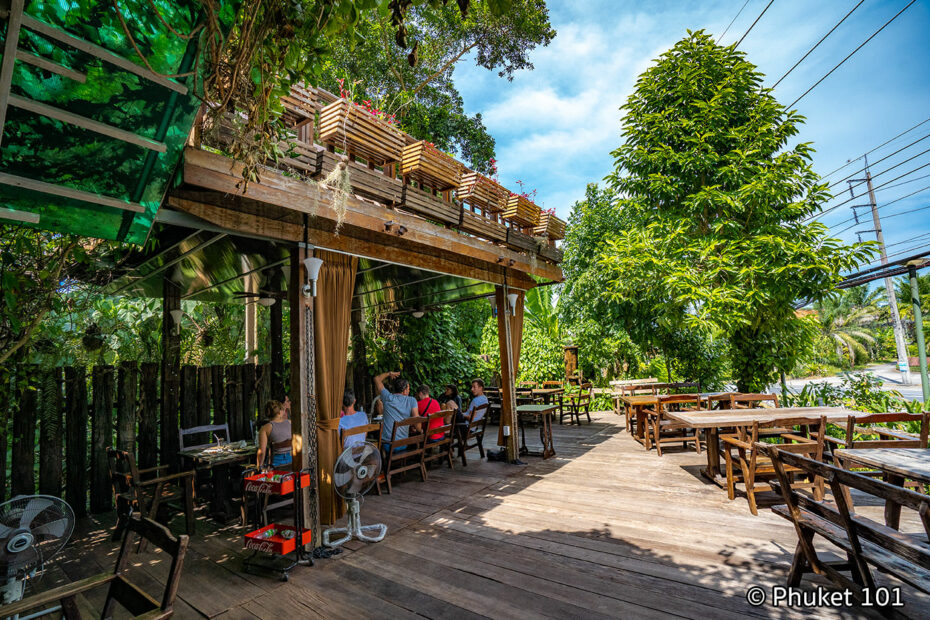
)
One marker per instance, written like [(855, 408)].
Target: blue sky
[(556, 125)]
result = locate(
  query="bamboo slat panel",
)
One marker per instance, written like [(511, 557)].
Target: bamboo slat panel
[(550, 226), (483, 227), (425, 164), (480, 191), (521, 211), (300, 105), (347, 126)]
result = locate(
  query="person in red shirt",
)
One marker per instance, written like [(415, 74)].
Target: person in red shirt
[(427, 406)]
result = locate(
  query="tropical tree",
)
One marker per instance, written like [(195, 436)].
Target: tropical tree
[(540, 311), (902, 290), (845, 318), (722, 240)]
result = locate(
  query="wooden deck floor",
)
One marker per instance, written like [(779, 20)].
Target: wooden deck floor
[(605, 529)]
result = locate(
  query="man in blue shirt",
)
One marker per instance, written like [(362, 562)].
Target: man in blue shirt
[(398, 405), (477, 391)]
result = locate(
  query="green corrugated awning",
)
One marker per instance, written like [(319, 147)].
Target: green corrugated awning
[(90, 135)]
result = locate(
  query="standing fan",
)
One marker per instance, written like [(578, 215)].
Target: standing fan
[(356, 470), (33, 528)]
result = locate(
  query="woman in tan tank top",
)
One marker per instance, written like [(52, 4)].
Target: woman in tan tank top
[(276, 434)]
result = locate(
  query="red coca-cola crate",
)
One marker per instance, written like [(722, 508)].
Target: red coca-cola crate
[(266, 482), (276, 544)]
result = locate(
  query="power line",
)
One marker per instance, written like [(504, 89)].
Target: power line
[(908, 181), (908, 240), (887, 204), (731, 21), (889, 156), (757, 21), (906, 212), (850, 55), (885, 143), (816, 45)]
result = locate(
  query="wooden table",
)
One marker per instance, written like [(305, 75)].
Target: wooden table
[(217, 462), (713, 421), (896, 465), (637, 403), (544, 413)]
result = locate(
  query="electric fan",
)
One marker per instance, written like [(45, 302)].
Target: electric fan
[(354, 473), (33, 528)]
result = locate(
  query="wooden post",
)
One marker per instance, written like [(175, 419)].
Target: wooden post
[(22, 470), (6, 400), (263, 390), (204, 395), (170, 374), (276, 335), (76, 438), (303, 388), (248, 402), (127, 400), (234, 401), (50, 434), (101, 438), (219, 394), (148, 415), (508, 386), (188, 397)]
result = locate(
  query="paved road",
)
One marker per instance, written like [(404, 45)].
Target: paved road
[(888, 373)]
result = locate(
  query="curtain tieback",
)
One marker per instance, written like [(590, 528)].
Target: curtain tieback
[(330, 424)]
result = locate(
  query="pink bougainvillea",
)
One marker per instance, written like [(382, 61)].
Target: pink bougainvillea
[(366, 105)]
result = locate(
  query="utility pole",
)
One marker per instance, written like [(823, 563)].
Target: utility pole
[(899, 341)]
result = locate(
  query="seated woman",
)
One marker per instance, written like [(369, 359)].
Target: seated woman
[(276, 432), (450, 398), (350, 418)]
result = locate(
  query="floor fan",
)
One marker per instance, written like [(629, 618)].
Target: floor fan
[(354, 473)]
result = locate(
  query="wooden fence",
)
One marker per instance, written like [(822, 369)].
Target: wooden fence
[(68, 417)]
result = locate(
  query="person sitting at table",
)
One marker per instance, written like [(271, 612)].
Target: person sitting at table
[(427, 406), (350, 418), (277, 432), (450, 398), (398, 405), (477, 391)]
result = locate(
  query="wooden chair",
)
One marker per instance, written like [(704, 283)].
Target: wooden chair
[(472, 429), (136, 492), (579, 403), (373, 430), (440, 448), (411, 456), (660, 429), (864, 541), (121, 590), (494, 400), (210, 430), (758, 471), (738, 400)]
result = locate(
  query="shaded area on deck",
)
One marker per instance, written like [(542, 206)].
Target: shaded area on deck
[(603, 529)]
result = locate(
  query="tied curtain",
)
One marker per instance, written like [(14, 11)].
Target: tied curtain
[(516, 337), (333, 307)]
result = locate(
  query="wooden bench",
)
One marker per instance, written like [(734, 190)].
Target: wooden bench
[(863, 541)]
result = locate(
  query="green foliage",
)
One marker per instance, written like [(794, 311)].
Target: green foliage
[(542, 358), (718, 201), (860, 392), (846, 319)]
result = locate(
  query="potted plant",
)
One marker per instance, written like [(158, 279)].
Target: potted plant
[(521, 211), (550, 226), (361, 130), (482, 192), (424, 163)]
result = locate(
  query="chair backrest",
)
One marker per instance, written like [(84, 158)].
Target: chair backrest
[(751, 401), (445, 428), (676, 402), (126, 593), (886, 440), (124, 475), (473, 418), (362, 429), (811, 447), (641, 389), (209, 430), (549, 385), (527, 385), (415, 435)]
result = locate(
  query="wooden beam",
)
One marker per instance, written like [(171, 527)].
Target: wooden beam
[(48, 65), (103, 54), (15, 16), (246, 224), (221, 174), (508, 380), (43, 109), (15, 215), (68, 192)]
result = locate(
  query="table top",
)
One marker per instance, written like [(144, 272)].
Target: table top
[(548, 391), (913, 463), (210, 455), (744, 417), (640, 399), (536, 409)]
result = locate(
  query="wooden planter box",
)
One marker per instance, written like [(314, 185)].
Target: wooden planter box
[(549, 226), (427, 165), (483, 227), (521, 212), (344, 125), (300, 105), (480, 191)]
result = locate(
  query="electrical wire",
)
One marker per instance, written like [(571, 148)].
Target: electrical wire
[(883, 144), (888, 217), (887, 204), (731, 22), (850, 55), (757, 21), (908, 181), (816, 45), (875, 163), (891, 245)]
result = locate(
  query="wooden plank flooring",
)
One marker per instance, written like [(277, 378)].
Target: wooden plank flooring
[(605, 529)]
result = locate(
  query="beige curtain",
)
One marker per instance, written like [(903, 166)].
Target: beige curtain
[(516, 337), (331, 316)]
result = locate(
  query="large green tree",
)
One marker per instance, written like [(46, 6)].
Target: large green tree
[(721, 239)]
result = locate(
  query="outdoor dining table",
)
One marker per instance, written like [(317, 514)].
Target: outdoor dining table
[(896, 465), (216, 459), (713, 421), (544, 413)]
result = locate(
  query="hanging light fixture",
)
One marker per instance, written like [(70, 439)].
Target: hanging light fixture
[(418, 313), (312, 265), (176, 316), (265, 301), (512, 299), (494, 306)]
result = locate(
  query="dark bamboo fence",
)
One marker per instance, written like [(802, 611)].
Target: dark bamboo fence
[(68, 417)]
